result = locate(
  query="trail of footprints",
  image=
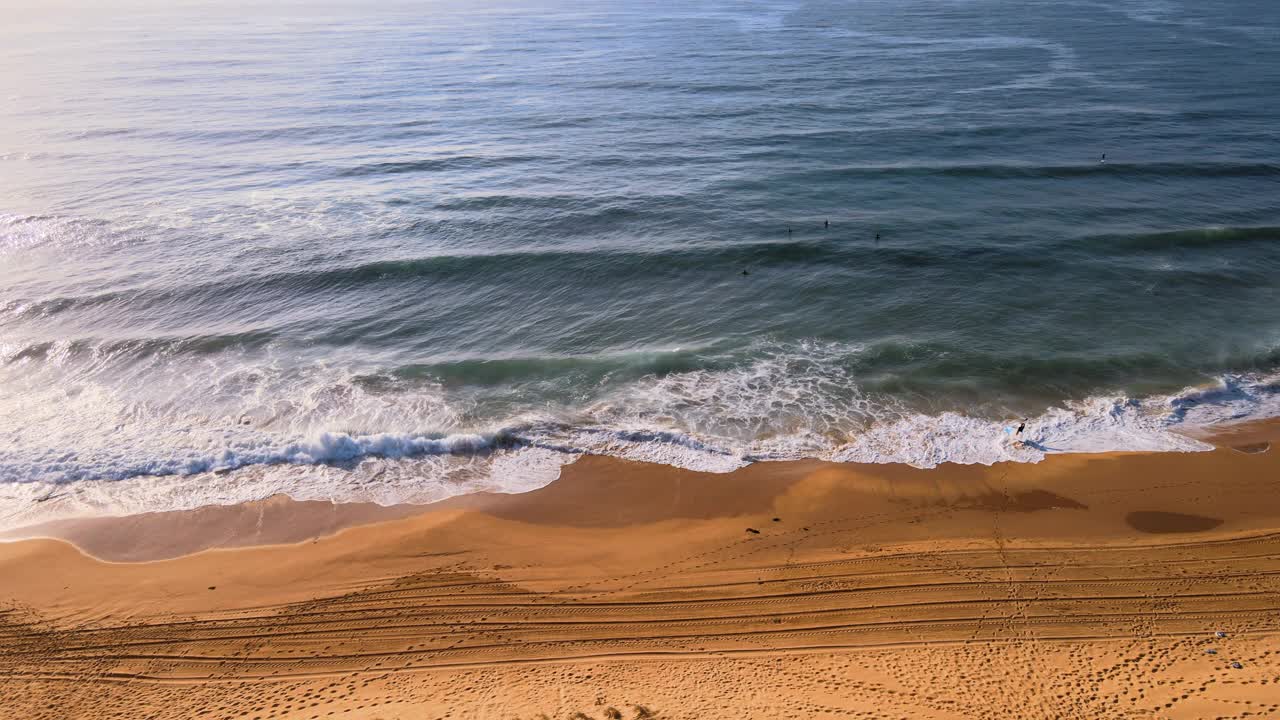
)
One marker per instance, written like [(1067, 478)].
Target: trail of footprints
[(1081, 627)]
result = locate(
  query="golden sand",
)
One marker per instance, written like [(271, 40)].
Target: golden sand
[(1081, 587)]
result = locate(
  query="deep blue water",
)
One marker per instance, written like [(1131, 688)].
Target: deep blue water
[(488, 237)]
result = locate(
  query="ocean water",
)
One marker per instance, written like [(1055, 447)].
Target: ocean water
[(398, 251)]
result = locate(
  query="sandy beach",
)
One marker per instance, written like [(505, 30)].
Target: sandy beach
[(1086, 586)]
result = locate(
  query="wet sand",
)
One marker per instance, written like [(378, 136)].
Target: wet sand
[(1082, 587)]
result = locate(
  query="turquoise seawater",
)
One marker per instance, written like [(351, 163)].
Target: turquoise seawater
[(401, 250)]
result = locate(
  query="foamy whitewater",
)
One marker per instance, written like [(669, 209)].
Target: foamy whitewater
[(146, 467), (406, 251)]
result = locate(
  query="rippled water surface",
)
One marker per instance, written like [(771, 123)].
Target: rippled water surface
[(402, 250)]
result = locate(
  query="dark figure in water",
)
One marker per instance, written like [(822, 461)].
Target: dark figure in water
[(788, 231), (744, 272), (826, 224), (1017, 434), (877, 237), (1104, 158)]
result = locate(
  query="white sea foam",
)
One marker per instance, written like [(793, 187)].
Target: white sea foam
[(90, 448)]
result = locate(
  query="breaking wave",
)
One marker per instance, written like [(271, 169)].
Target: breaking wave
[(791, 404)]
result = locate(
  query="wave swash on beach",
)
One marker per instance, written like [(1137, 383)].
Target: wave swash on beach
[(152, 450)]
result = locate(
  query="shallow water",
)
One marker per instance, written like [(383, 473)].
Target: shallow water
[(494, 238)]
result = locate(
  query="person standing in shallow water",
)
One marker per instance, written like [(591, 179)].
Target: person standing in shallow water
[(1015, 434)]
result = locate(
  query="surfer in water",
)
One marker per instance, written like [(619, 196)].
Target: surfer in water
[(1015, 434), (1104, 158)]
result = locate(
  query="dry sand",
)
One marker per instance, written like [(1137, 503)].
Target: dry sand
[(1082, 587)]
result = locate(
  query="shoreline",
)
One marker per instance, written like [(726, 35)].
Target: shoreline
[(400, 468), (280, 519), (1098, 582)]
